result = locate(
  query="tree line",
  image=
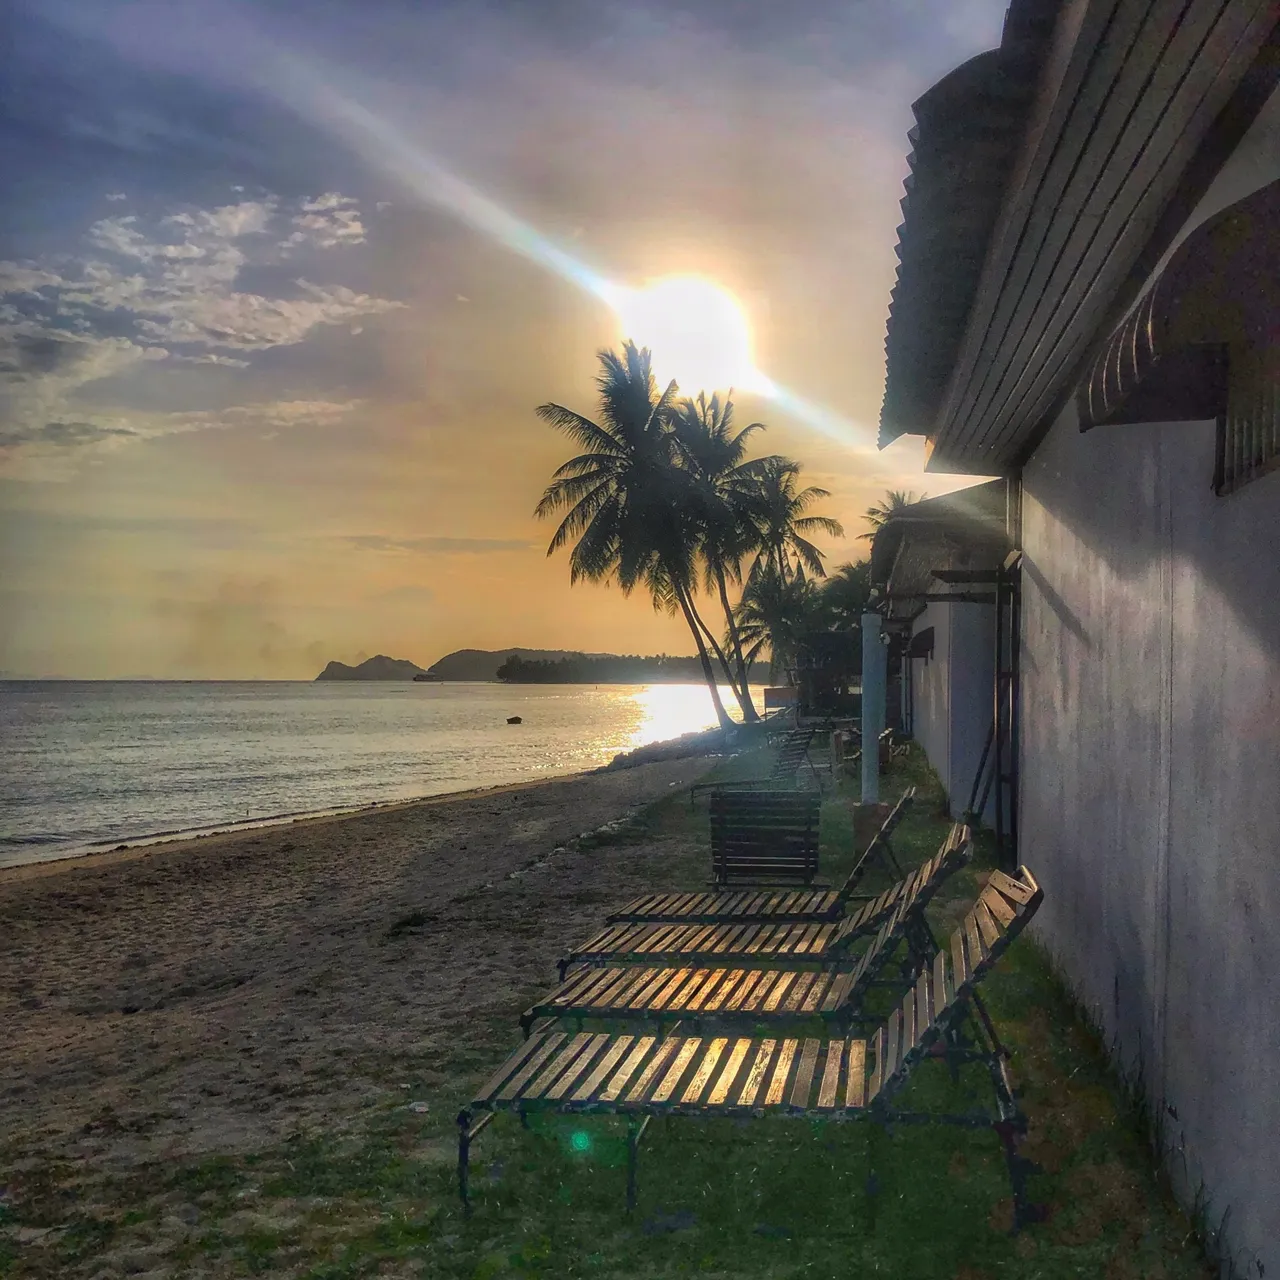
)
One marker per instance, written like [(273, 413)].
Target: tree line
[(620, 669)]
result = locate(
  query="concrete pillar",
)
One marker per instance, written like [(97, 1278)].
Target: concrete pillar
[(874, 674)]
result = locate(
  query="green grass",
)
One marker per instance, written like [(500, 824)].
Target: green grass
[(756, 1198)]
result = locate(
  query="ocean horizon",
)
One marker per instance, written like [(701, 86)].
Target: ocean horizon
[(86, 765)]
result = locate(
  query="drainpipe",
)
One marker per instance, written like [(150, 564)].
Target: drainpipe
[(874, 666)]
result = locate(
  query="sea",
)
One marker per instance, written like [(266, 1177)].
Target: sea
[(88, 765)]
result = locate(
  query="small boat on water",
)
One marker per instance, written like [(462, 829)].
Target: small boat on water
[(514, 720)]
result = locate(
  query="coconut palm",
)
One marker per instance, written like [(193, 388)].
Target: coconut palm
[(845, 594), (776, 613), (895, 502), (727, 489), (782, 525), (625, 499)]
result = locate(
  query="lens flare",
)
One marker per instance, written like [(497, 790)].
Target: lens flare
[(696, 330)]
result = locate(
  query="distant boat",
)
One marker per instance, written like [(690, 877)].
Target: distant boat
[(514, 720)]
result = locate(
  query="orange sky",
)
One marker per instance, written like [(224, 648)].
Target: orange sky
[(276, 407)]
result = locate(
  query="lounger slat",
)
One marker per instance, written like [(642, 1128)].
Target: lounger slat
[(702, 1076), (1011, 888), (829, 1089), (756, 1076), (892, 1044), (877, 1073), (618, 1081), (534, 1048), (517, 1082), (855, 1088), (725, 989), (959, 960), (973, 939), (667, 1085), (602, 1068), (677, 979), (908, 1022), (795, 998), (680, 1000), (804, 1075), (781, 1070), (924, 1004), (699, 998), (943, 991), (987, 926), (780, 989), (720, 1093)]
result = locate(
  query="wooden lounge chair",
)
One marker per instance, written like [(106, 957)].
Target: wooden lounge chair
[(750, 904), (819, 1078), (793, 752), (792, 943), (764, 837), (715, 994)]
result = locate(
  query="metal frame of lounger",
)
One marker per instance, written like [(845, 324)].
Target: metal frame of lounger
[(833, 1078), (749, 904), (793, 752), (699, 996), (771, 943)]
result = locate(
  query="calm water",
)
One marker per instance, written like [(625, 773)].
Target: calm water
[(92, 764)]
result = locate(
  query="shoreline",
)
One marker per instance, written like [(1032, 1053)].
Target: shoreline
[(699, 743)]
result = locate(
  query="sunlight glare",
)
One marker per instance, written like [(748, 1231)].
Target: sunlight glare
[(696, 330)]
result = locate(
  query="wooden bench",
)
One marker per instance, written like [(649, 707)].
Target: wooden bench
[(794, 943), (818, 1078), (751, 904), (764, 837)]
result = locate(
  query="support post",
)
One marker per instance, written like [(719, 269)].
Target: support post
[(873, 698), (464, 1157), (635, 1131)]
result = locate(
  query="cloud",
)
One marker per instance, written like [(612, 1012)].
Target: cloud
[(164, 290), (116, 195), (441, 546), (327, 222)]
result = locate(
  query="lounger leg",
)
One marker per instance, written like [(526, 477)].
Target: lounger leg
[(562, 965), (1024, 1212), (989, 1026), (635, 1131), (464, 1158)]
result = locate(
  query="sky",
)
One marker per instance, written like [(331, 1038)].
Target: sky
[(281, 286)]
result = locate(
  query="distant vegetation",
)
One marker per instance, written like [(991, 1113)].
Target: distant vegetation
[(580, 668), (377, 668)]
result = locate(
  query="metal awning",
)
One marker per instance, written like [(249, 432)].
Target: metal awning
[(1169, 360)]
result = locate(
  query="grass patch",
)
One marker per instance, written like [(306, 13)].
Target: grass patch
[(718, 1198)]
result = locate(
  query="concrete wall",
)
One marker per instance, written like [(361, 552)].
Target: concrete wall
[(1150, 797), (952, 695)]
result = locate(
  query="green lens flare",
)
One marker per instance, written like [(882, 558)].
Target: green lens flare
[(580, 1141)]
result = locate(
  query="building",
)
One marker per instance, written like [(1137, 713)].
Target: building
[(1088, 308)]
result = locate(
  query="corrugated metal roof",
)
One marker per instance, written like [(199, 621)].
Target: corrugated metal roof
[(968, 132)]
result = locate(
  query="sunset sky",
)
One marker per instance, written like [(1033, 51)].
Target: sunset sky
[(283, 284)]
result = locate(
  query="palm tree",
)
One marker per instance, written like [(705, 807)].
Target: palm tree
[(845, 594), (895, 502), (624, 498), (776, 613), (781, 522), (727, 489)]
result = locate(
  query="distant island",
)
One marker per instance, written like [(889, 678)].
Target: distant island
[(532, 666), (377, 668), (611, 668)]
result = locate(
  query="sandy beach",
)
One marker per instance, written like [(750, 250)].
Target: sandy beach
[(211, 995)]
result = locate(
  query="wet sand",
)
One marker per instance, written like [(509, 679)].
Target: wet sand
[(217, 994)]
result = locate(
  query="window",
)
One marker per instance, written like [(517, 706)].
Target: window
[(1249, 430)]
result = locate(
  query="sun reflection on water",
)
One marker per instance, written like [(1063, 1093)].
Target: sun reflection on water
[(669, 710)]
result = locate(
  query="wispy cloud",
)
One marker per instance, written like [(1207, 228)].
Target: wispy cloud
[(165, 291), (443, 546)]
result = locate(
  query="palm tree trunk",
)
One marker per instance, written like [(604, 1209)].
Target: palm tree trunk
[(723, 659), (722, 716), (749, 713)]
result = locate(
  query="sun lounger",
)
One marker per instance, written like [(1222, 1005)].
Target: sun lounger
[(793, 752), (667, 993), (818, 1078), (750, 904), (764, 837), (769, 942)]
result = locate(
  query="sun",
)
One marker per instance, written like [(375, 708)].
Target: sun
[(696, 330)]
